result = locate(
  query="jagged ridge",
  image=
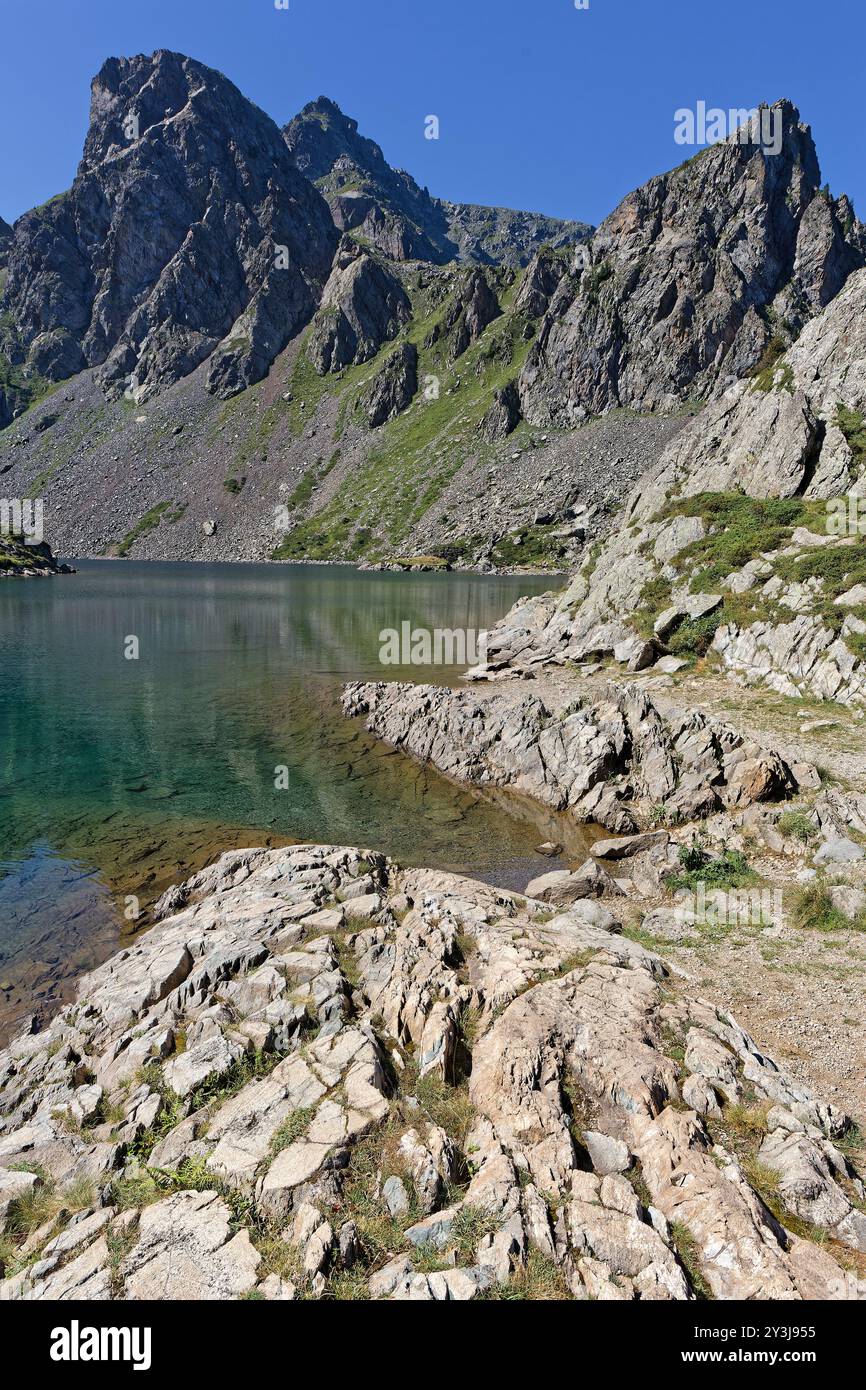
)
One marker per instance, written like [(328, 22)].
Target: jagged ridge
[(389, 210)]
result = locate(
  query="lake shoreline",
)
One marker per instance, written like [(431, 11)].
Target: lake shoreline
[(146, 770)]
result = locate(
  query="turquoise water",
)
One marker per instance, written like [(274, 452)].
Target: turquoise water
[(120, 776)]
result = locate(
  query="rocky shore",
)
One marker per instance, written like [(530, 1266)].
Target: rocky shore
[(21, 561), (322, 1076), (610, 762), (771, 802)]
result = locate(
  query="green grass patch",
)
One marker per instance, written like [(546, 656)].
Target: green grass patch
[(812, 909), (471, 1225), (771, 373), (689, 1256), (23, 388), (292, 1129), (538, 1280), (413, 457), (838, 567), (447, 1106), (539, 548), (730, 869), (422, 562), (738, 529), (143, 527), (853, 425), (797, 825)]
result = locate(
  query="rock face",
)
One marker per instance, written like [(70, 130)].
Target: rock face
[(778, 436), (187, 234), (679, 286), (788, 611), (503, 236), (307, 1161), (393, 390), (503, 417), (392, 213), (5, 241), (332, 1143), (544, 274), (473, 307), (608, 763), (363, 306)]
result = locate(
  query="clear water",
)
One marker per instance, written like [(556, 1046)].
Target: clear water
[(118, 777)]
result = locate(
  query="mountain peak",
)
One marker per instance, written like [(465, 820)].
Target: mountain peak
[(5, 242), (696, 277), (161, 255), (322, 133), (325, 106), (130, 97), (388, 208)]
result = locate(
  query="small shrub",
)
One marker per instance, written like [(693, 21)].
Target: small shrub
[(796, 825), (730, 869), (812, 909), (694, 636)]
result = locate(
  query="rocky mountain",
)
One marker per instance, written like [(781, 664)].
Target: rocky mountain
[(743, 544), (697, 278), (388, 209), (5, 239), (187, 235), (338, 453), (370, 402), (322, 1076), (363, 306)]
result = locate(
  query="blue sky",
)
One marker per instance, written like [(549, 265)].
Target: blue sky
[(541, 106)]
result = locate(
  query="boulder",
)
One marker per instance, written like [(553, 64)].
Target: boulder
[(839, 850), (186, 1251)]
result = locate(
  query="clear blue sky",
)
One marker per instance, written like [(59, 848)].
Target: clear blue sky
[(541, 106)]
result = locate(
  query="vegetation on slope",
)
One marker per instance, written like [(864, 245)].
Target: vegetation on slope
[(741, 529), (415, 455)]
